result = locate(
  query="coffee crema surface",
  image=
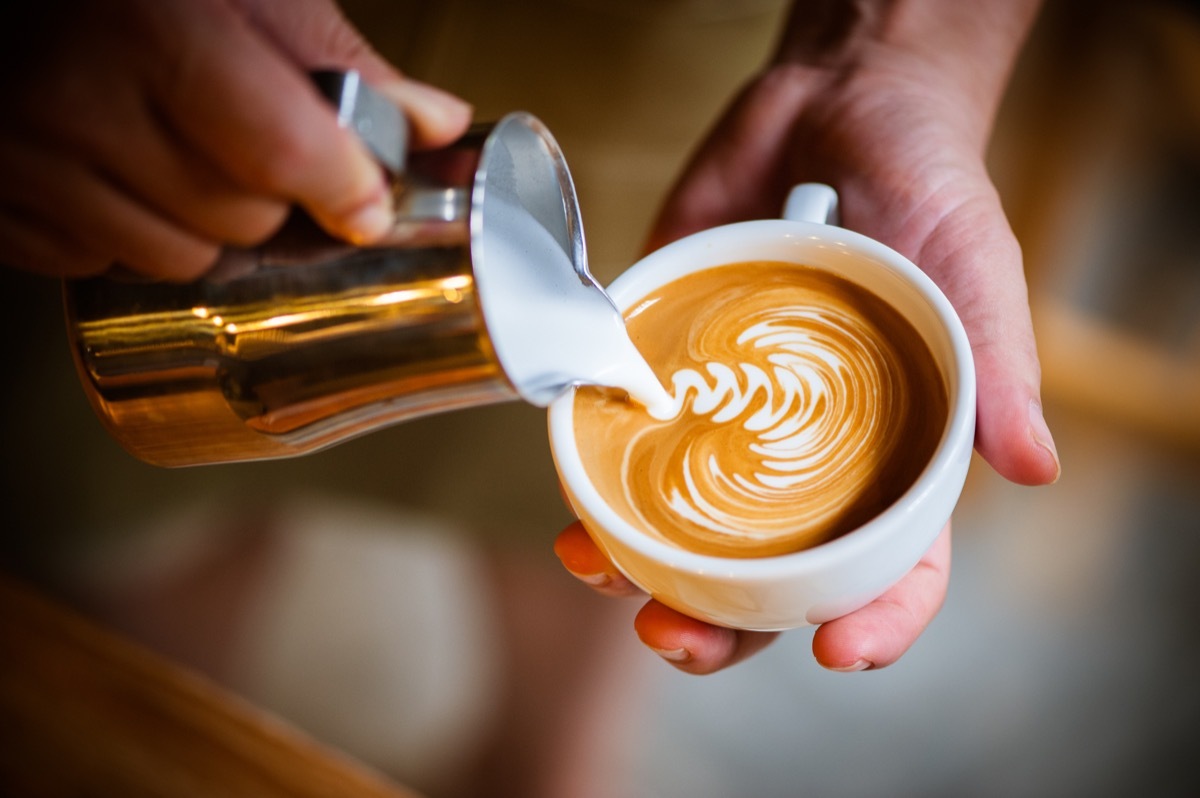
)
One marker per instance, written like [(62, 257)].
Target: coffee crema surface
[(803, 406)]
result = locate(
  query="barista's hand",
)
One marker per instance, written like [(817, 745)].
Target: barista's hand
[(152, 132), (873, 637), (891, 102)]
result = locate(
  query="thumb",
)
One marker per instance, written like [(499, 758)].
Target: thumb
[(973, 255), (316, 35)]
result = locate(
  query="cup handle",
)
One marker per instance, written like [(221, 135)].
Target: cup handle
[(812, 202)]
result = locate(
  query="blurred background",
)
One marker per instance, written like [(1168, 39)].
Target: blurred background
[(398, 599)]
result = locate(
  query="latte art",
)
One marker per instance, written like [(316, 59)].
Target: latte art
[(802, 406), (813, 419)]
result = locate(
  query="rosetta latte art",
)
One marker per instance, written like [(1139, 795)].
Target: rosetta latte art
[(792, 437), (803, 406)]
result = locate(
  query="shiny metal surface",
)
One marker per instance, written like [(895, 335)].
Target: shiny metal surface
[(305, 341), (377, 122)]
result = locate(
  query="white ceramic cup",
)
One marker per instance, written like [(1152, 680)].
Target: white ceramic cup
[(837, 577)]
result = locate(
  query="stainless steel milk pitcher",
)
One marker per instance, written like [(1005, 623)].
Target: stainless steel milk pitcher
[(307, 341)]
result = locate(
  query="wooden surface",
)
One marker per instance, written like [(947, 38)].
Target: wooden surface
[(84, 712)]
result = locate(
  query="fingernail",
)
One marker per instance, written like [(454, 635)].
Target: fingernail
[(1041, 433), (595, 580), (858, 665), (371, 220), (675, 655)]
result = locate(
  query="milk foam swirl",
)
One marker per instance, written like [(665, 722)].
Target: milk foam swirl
[(795, 416), (812, 414)]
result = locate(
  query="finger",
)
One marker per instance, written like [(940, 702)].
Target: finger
[(247, 108), (973, 255), (694, 646), (148, 162), (82, 99), (104, 221), (878, 634), (583, 559), (31, 243), (1012, 434), (317, 35), (437, 117)]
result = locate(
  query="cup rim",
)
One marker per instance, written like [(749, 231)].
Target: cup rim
[(647, 275)]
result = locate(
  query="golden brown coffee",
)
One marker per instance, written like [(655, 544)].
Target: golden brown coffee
[(805, 405)]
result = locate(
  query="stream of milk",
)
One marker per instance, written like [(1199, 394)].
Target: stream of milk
[(552, 327)]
